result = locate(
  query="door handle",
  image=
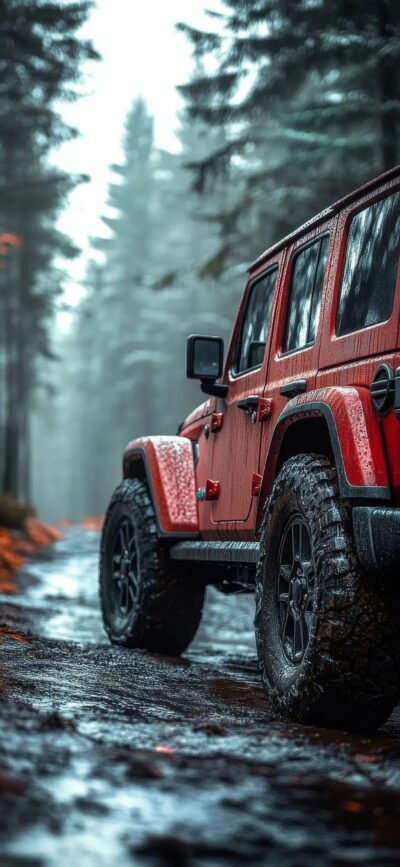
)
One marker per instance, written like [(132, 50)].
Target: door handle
[(292, 389), (248, 404)]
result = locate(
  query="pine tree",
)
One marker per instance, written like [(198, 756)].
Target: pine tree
[(39, 67), (158, 280), (308, 94)]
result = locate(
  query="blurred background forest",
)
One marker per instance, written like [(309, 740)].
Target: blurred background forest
[(288, 106)]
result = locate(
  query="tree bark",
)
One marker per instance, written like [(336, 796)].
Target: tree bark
[(389, 91), (11, 433)]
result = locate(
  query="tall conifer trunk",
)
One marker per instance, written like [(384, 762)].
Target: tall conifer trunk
[(11, 431), (389, 92)]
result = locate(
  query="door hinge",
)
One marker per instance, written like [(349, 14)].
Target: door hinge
[(265, 406), (256, 484), (217, 421), (213, 489)]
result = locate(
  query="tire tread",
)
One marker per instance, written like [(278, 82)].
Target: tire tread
[(170, 603), (350, 675)]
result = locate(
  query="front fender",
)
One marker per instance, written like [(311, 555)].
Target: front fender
[(355, 437), (166, 463)]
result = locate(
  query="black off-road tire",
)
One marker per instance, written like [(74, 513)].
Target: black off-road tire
[(167, 607), (349, 676)]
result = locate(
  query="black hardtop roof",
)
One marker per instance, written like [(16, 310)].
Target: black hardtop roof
[(323, 215)]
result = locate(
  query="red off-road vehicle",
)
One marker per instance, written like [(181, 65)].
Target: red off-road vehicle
[(287, 478)]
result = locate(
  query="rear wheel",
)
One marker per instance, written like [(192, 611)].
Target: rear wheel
[(328, 636), (145, 601)]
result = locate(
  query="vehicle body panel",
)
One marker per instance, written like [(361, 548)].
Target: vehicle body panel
[(167, 464), (234, 447), (355, 435), (353, 359), (292, 366)]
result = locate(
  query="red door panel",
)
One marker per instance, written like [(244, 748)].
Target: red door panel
[(376, 339), (352, 359), (235, 452), (236, 445), (302, 364)]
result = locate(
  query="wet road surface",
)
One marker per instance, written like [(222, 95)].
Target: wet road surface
[(110, 756)]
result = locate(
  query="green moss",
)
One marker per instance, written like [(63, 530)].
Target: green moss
[(12, 514)]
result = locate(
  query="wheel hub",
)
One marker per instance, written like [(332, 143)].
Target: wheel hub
[(298, 593), (295, 589), (124, 559), (125, 564)]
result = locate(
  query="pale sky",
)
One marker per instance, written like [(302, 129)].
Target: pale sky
[(141, 53)]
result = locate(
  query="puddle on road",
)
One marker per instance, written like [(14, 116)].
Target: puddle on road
[(60, 586), (111, 756)]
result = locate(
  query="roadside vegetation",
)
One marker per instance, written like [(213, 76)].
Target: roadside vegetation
[(21, 534)]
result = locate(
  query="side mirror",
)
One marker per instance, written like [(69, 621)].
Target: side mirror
[(204, 357), (205, 361)]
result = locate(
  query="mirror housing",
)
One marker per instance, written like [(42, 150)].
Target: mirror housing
[(204, 361), (204, 357)]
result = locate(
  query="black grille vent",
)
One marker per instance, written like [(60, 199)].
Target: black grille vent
[(382, 389), (397, 393)]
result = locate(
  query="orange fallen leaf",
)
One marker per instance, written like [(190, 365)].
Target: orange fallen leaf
[(6, 632), (8, 587), (22, 546), (352, 806), (5, 538), (160, 748), (39, 533), (92, 523), (11, 559), (364, 758), (53, 533), (16, 546), (9, 786)]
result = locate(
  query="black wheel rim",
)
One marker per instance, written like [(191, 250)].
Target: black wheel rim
[(295, 589), (125, 586)]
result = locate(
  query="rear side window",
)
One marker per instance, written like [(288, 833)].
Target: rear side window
[(253, 336), (369, 277), (305, 295)]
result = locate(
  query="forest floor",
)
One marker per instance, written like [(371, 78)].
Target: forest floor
[(109, 756)]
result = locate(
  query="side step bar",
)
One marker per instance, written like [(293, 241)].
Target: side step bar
[(217, 552)]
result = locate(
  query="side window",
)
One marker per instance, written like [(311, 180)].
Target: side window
[(253, 335), (305, 295), (369, 277)]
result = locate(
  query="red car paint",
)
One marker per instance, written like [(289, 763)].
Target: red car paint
[(238, 454), (168, 465)]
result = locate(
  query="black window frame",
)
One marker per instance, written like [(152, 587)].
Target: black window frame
[(363, 206), (288, 294), (236, 354)]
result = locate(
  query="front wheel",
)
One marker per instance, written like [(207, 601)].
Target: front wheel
[(328, 636), (146, 603)]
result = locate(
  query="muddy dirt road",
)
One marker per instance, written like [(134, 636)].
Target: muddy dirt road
[(112, 757)]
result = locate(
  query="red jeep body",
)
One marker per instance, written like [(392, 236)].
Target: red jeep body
[(317, 396), (286, 479)]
